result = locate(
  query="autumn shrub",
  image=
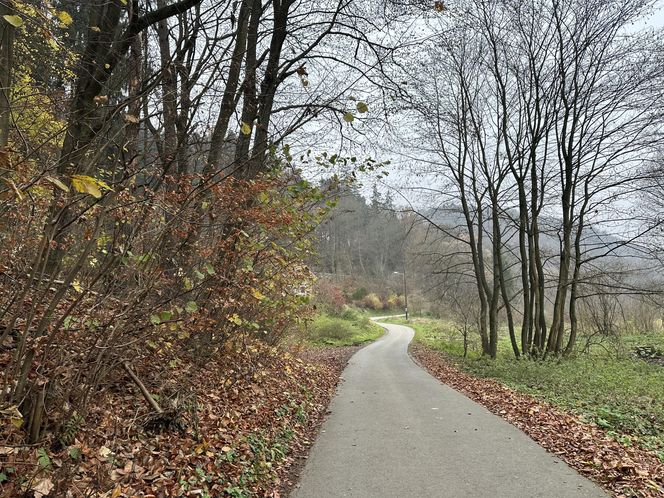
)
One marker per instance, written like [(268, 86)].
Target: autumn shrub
[(329, 296), (350, 314), (122, 284), (135, 239), (372, 302), (359, 294), (394, 301)]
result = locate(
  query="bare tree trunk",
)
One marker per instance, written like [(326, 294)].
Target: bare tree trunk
[(574, 323), (132, 122), (249, 107), (269, 86), (230, 91), (527, 320), (169, 92), (558, 321), (475, 242), (6, 67), (498, 259)]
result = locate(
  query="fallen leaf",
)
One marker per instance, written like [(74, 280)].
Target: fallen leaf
[(42, 488)]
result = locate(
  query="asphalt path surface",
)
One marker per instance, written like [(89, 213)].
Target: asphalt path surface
[(396, 431)]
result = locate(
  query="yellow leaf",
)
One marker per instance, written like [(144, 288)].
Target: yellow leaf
[(57, 183), (235, 319), (226, 449), (14, 187), (246, 129), (54, 45), (257, 294), (77, 286), (64, 18), (15, 21), (102, 184), (95, 29), (88, 185)]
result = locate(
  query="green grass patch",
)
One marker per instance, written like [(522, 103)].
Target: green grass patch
[(349, 328), (619, 393)]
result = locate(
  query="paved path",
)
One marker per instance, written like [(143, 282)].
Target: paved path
[(395, 431)]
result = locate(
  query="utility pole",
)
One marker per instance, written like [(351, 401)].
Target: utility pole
[(405, 289)]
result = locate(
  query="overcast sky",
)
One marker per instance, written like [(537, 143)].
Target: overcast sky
[(657, 19)]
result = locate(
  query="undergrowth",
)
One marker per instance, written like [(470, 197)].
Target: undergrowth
[(348, 328)]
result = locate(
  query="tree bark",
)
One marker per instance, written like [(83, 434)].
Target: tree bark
[(6, 68)]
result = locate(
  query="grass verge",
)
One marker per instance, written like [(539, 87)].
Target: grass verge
[(621, 394), (350, 328)]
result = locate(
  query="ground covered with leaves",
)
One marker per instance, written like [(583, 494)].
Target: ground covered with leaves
[(239, 431), (625, 471)]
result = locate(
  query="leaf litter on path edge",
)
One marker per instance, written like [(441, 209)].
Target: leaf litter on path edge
[(245, 438), (623, 471)]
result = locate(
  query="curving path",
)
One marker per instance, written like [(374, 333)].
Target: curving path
[(395, 431)]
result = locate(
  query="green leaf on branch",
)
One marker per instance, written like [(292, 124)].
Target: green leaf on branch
[(349, 118), (191, 307), (362, 107)]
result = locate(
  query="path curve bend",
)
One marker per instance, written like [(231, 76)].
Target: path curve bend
[(395, 431)]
